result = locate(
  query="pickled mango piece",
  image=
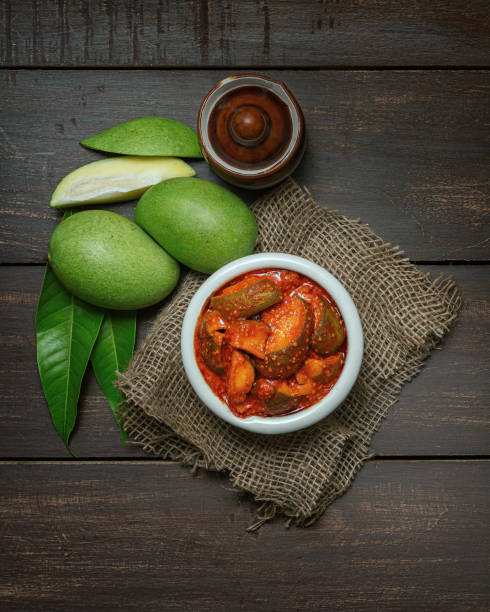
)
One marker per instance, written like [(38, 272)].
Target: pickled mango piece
[(286, 396), (329, 332), (240, 377), (322, 370), (287, 346), (214, 321), (248, 299), (263, 389), (211, 340), (250, 336)]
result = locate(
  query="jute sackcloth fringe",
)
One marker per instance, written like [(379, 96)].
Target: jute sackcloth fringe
[(404, 315)]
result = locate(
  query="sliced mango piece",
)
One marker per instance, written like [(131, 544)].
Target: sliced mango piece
[(147, 136), (116, 179)]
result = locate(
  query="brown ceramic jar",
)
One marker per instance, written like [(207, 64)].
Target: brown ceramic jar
[(251, 130)]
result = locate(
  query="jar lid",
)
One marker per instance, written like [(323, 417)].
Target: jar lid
[(250, 126)]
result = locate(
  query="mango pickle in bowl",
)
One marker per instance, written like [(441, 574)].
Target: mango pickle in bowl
[(272, 343)]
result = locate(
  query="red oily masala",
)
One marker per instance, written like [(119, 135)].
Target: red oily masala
[(277, 336)]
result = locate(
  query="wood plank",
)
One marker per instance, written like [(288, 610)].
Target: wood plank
[(223, 33), (444, 411), (449, 399), (405, 151), (132, 536)]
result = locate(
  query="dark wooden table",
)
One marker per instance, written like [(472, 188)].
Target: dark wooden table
[(395, 96)]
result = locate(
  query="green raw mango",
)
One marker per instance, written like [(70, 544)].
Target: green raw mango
[(148, 136), (201, 224), (107, 260)]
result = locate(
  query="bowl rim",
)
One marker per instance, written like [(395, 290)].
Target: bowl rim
[(303, 418)]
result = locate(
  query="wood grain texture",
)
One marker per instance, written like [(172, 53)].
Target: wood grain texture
[(405, 151), (132, 536), (249, 32), (443, 411)]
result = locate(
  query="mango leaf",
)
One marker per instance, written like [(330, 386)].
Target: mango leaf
[(155, 136), (66, 329), (112, 352)]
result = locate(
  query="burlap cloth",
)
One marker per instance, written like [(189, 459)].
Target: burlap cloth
[(404, 315)]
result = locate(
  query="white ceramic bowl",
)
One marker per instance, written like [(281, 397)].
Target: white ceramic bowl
[(307, 416)]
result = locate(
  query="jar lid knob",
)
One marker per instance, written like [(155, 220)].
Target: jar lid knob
[(249, 125)]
